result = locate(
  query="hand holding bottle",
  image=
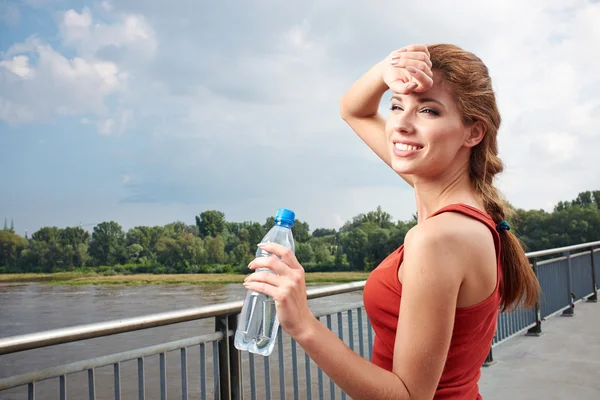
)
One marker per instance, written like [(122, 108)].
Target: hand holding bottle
[(287, 286)]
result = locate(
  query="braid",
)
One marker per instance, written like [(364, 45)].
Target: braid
[(469, 79)]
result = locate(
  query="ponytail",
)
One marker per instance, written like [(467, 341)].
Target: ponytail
[(469, 79)]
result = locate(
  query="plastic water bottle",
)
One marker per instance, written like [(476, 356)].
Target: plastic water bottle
[(258, 324)]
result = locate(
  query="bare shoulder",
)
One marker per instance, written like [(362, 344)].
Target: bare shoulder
[(449, 240)]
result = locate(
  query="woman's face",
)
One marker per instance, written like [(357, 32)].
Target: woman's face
[(425, 132)]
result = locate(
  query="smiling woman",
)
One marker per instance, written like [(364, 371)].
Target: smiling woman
[(433, 302)]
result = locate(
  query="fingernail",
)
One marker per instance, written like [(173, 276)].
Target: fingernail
[(412, 70), (261, 244), (396, 57), (394, 62)]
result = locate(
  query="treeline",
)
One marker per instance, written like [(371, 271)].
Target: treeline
[(215, 245)]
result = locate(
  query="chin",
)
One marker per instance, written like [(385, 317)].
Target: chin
[(403, 167)]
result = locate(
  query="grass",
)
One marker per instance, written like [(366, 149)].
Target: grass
[(79, 278)]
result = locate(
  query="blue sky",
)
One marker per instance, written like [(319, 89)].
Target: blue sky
[(147, 113)]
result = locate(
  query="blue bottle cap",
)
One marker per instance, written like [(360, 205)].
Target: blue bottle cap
[(286, 216)]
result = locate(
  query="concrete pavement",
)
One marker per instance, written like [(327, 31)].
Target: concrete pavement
[(562, 364)]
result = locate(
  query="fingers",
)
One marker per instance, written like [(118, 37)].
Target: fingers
[(278, 287), (401, 87), (272, 263), (286, 255), (422, 79), (408, 63), (266, 278), (416, 47), (416, 56), (261, 287)]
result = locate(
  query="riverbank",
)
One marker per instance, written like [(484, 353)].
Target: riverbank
[(79, 278)]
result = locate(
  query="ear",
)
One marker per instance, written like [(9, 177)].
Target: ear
[(475, 134)]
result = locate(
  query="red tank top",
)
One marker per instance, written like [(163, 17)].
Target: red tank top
[(474, 326)]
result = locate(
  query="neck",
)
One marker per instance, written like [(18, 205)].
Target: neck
[(449, 188)]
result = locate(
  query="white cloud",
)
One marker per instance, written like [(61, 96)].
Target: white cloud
[(105, 127), (116, 124), (19, 65), (85, 81), (559, 147), (274, 86), (31, 93), (130, 32)]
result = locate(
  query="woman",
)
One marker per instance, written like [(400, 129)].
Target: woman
[(434, 302)]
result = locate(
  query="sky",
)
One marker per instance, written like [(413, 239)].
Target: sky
[(146, 112)]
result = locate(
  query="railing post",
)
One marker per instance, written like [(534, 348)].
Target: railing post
[(489, 361), (229, 360), (537, 329), (569, 312), (594, 297)]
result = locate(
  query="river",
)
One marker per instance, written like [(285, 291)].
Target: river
[(33, 307)]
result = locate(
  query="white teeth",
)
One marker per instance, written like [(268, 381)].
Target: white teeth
[(405, 147)]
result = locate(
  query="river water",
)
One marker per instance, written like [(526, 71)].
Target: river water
[(33, 307)]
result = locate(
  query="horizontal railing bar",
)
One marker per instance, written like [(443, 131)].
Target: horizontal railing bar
[(315, 293), (340, 309), (80, 332), (550, 261), (36, 340), (562, 249), (79, 366)]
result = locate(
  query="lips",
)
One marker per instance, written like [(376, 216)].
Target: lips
[(403, 148), (407, 147)]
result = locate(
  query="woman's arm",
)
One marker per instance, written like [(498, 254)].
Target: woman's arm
[(432, 275), (359, 106)]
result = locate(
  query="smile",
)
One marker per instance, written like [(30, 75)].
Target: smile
[(407, 147)]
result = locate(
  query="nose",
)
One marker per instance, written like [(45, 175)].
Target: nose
[(403, 123)]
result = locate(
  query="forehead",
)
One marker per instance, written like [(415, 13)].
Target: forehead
[(440, 87)]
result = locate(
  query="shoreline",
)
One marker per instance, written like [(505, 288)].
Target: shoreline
[(80, 278)]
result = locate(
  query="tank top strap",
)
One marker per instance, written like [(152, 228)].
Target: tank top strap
[(484, 218), (472, 212)]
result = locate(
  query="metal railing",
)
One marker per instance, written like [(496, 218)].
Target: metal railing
[(220, 371)]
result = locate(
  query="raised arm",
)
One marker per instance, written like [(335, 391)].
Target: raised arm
[(404, 70)]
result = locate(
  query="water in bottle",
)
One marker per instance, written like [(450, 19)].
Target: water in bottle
[(258, 323)]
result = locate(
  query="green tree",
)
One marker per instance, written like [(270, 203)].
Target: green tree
[(304, 253), (320, 232), (180, 253), (301, 231), (133, 252), (583, 199), (210, 223), (322, 254), (11, 247), (107, 246), (215, 250), (178, 228), (355, 246), (147, 237), (596, 195), (73, 243)]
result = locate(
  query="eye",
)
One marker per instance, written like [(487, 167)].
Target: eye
[(430, 111), (395, 107)]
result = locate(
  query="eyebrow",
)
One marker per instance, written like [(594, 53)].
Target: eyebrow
[(421, 100)]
